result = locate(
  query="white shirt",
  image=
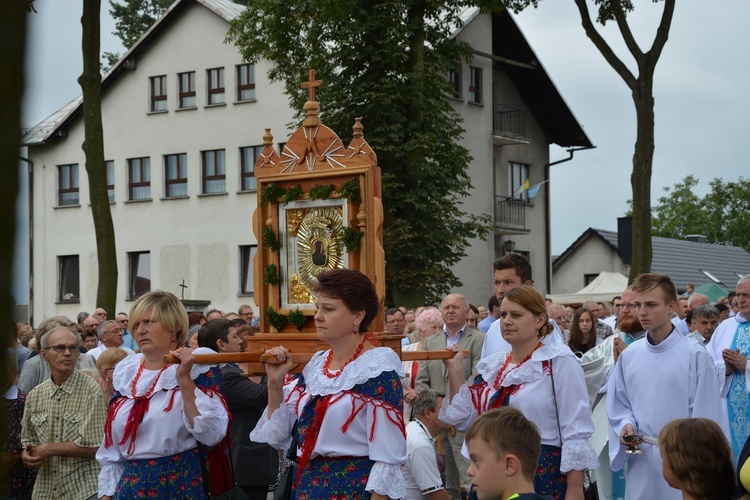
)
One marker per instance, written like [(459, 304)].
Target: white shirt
[(680, 382), (96, 351), (374, 432), (420, 470), (569, 418), (161, 433), (611, 321)]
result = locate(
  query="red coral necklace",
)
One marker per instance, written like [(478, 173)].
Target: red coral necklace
[(501, 376), (328, 373), (137, 377)]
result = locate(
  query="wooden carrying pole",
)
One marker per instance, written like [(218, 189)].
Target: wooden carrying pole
[(300, 357)]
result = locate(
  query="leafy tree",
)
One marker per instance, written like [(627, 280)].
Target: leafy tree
[(93, 147), (722, 216), (384, 60), (641, 88), (133, 19)]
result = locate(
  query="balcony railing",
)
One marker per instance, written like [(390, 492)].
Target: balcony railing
[(510, 213), (508, 122)]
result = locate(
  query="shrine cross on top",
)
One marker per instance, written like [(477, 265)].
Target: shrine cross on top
[(310, 85)]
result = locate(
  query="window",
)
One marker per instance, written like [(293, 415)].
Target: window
[(187, 89), (475, 85), (139, 186), (68, 279), (216, 86), (139, 274), (589, 278), (517, 175), (248, 157), (175, 175), (245, 82), (67, 185), (111, 180), (247, 254), (454, 77), (159, 93), (214, 173)]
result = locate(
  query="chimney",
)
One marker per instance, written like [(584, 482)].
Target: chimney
[(696, 238), (625, 238)]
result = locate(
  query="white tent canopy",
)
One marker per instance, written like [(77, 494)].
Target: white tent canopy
[(605, 287)]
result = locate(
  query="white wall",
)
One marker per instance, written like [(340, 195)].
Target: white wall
[(592, 256), (195, 238)]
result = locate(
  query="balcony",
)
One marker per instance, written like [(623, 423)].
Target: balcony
[(510, 215), (508, 125)]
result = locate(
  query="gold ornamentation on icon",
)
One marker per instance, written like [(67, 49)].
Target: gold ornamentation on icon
[(318, 245)]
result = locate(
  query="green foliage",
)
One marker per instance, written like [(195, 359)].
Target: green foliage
[(350, 191), (271, 193), (270, 240), (384, 60), (297, 318), (320, 192), (271, 275), (108, 60), (134, 17), (350, 237), (275, 318), (293, 193), (722, 215)]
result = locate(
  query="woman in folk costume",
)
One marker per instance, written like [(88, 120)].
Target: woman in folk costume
[(160, 413), (345, 409), (545, 382)]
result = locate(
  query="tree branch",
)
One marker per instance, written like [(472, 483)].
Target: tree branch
[(662, 32), (627, 35), (603, 47)]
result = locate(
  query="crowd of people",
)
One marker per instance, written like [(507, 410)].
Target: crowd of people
[(642, 397)]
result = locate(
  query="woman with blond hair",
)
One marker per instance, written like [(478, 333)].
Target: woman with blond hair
[(105, 364), (697, 460), (160, 414), (544, 381), (429, 321)]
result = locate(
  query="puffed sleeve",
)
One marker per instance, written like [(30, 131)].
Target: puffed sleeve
[(387, 440), (466, 406), (277, 430), (576, 425), (210, 427)]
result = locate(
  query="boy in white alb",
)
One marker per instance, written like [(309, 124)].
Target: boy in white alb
[(660, 378)]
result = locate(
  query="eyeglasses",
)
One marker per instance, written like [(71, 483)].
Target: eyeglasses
[(73, 348), (629, 305)]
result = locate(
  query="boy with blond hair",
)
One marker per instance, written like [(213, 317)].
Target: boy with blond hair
[(504, 449)]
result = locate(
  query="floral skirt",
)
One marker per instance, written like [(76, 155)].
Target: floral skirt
[(548, 480), (177, 476), (339, 478)]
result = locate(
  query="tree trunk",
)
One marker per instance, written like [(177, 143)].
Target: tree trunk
[(93, 147), (415, 293), (640, 179)]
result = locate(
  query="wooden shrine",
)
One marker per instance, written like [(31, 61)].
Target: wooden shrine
[(319, 208)]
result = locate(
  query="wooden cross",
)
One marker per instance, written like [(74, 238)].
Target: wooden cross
[(183, 286), (310, 85)]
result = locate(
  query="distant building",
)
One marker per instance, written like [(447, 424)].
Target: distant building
[(184, 119), (685, 261)]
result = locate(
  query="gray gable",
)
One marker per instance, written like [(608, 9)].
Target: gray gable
[(685, 261)]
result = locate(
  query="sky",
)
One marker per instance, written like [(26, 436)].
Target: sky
[(699, 87)]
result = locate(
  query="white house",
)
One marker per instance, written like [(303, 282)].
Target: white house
[(184, 119)]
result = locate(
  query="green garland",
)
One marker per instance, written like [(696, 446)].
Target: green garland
[(272, 193), (297, 318), (294, 193), (270, 240), (350, 191), (275, 319), (272, 275), (350, 237), (320, 192)]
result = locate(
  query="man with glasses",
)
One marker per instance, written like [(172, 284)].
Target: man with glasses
[(246, 312), (127, 339), (616, 306), (63, 423), (730, 348), (110, 335), (597, 365), (395, 321)]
